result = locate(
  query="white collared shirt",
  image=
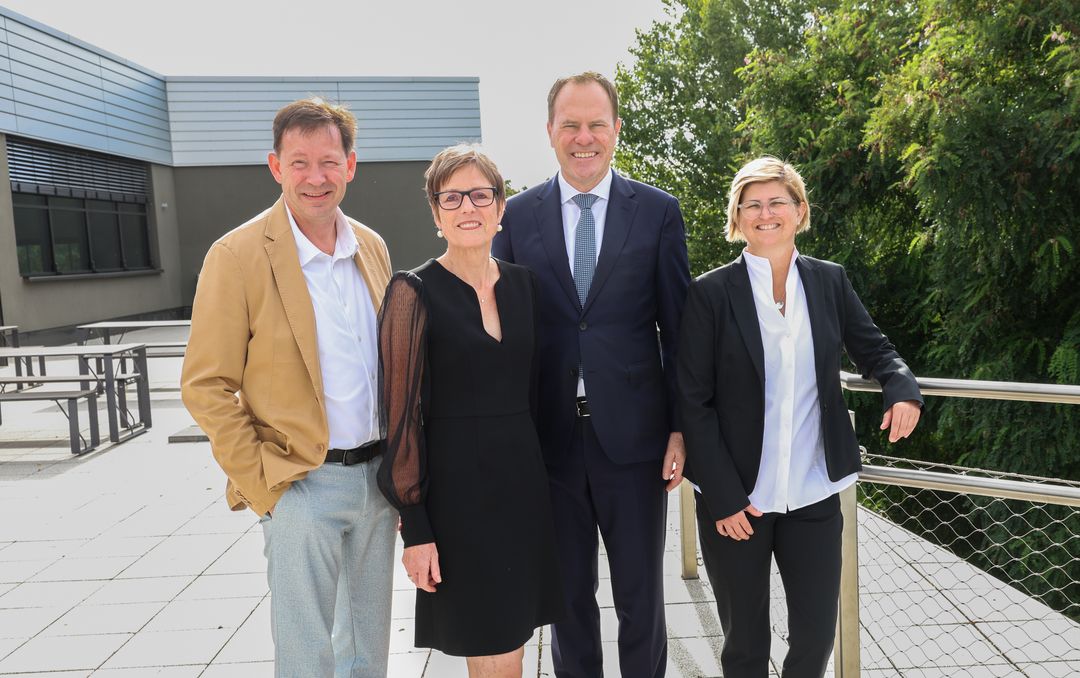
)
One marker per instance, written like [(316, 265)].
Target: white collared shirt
[(792, 472), (346, 335), (570, 215)]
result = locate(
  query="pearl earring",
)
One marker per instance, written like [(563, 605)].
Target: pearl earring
[(498, 227), (438, 233)]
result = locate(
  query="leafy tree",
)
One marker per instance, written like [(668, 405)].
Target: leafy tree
[(940, 140)]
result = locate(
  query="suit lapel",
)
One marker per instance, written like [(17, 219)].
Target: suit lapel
[(549, 221), (620, 216), (292, 288), (366, 263), (742, 304), (813, 288)]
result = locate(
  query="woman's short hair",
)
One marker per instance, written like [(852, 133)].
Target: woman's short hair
[(450, 160), (759, 170)]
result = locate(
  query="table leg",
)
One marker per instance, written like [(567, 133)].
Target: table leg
[(110, 399), (143, 387)]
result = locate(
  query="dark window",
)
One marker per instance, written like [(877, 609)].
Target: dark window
[(32, 234), (56, 235), (104, 235), (77, 211)]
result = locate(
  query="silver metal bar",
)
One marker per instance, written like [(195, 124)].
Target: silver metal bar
[(846, 655), (969, 388), (688, 530), (1039, 493)]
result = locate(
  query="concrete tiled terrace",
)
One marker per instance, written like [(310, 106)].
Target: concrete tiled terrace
[(126, 562)]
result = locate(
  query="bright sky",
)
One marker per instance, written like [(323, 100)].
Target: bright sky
[(517, 49)]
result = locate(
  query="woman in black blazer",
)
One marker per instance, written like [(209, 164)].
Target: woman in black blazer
[(768, 440)]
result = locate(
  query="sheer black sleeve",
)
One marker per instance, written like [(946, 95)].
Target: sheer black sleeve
[(402, 356)]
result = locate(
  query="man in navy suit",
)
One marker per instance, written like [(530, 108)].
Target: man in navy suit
[(610, 258)]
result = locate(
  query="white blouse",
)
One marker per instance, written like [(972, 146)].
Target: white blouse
[(792, 473)]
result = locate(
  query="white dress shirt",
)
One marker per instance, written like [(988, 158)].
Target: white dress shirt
[(346, 335), (570, 215), (792, 472)]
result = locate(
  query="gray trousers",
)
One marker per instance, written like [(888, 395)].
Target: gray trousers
[(329, 551)]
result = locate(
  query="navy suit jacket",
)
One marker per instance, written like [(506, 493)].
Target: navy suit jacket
[(640, 284)]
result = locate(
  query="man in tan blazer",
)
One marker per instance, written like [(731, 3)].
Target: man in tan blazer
[(281, 373)]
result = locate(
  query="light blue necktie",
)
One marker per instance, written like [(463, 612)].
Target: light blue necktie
[(584, 246)]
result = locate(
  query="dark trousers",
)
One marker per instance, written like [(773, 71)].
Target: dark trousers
[(806, 544), (628, 503)]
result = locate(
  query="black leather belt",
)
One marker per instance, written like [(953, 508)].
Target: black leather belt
[(582, 405), (357, 455)]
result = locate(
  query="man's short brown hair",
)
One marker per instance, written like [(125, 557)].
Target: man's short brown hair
[(584, 79), (308, 115)]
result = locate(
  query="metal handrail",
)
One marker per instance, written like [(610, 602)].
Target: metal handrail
[(998, 488), (972, 388)]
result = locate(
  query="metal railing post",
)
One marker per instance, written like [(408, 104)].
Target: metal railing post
[(688, 530), (846, 648)]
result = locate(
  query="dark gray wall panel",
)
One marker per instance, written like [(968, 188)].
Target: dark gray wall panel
[(386, 196)]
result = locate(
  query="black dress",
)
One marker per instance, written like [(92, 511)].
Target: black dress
[(463, 462)]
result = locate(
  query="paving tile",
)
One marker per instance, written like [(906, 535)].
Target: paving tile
[(170, 648), (938, 646), (192, 671), (252, 642), (403, 604), (411, 664), (181, 555), (444, 666), (56, 674), (57, 653), (40, 550), (690, 656), (99, 619), (106, 547), (148, 590), (692, 620), (73, 569), (225, 586), (187, 615), (18, 571), (1042, 641), (218, 519), (402, 635), (49, 594), (246, 670), (246, 555), (26, 622), (1051, 670)]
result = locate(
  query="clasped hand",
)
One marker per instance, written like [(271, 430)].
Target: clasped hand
[(422, 565), (737, 525)]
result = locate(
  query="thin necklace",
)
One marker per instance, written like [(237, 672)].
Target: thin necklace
[(483, 300)]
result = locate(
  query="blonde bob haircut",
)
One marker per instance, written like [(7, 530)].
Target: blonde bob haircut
[(450, 160), (761, 170)]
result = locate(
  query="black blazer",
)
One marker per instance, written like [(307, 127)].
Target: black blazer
[(639, 286), (721, 373)]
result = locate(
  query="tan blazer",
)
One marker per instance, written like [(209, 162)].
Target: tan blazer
[(251, 376)]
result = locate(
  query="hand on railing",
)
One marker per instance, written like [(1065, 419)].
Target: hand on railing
[(901, 419)]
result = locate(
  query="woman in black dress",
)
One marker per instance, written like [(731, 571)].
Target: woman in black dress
[(463, 466)]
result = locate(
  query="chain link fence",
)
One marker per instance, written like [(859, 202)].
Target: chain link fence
[(962, 585)]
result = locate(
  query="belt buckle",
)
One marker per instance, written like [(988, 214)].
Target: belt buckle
[(582, 407), (351, 457)]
